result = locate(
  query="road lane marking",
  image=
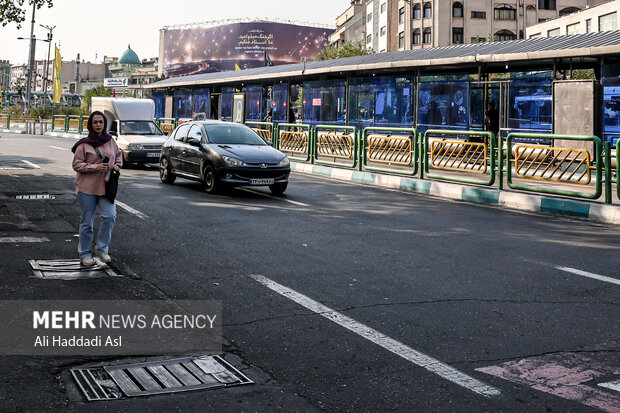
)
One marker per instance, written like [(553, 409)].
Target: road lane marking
[(589, 275), (613, 385), (57, 147), (132, 210), (388, 343), (269, 196), (34, 165)]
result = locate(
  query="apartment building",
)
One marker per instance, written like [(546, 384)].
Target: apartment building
[(595, 19), (413, 24), (350, 25)]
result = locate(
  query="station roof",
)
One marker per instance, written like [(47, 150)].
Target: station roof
[(591, 45)]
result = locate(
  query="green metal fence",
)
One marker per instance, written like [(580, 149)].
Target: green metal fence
[(167, 125), (264, 129), (567, 166), (59, 122), (336, 142), (74, 123), (392, 147), (460, 156), (295, 138), (5, 120)]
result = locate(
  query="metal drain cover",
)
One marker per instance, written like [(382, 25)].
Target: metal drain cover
[(69, 269), (35, 196), (157, 377)]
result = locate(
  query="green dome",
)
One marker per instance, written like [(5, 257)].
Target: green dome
[(129, 57)]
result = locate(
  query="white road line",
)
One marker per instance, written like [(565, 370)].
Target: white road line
[(14, 240), (34, 165), (57, 147), (388, 343), (589, 275), (613, 385), (283, 199), (131, 210)]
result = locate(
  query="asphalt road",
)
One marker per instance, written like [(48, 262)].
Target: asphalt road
[(339, 297)]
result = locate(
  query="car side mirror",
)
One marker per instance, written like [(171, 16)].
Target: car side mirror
[(194, 142)]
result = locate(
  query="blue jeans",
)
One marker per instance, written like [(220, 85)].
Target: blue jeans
[(88, 204)]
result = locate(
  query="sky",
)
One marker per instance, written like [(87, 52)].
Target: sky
[(97, 29)]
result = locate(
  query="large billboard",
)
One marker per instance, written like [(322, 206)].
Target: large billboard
[(195, 50)]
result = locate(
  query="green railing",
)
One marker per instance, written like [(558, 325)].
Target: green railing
[(460, 156), (379, 145), (5, 120), (59, 122), (264, 129), (167, 125), (554, 164), (295, 138), (74, 123), (337, 142)]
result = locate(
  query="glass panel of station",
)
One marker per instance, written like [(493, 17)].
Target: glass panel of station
[(384, 101), (201, 104), (226, 103), (253, 98), (443, 102), (324, 102), (182, 103), (530, 108), (611, 103), (280, 104), (159, 97)]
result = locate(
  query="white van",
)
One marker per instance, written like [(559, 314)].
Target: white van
[(131, 123)]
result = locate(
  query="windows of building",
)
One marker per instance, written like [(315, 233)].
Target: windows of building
[(416, 36), (417, 13), (553, 32), (369, 39), (478, 15), (505, 12), (572, 28), (428, 11), (401, 40), (383, 31), (535, 36), (458, 35), (504, 35), (546, 4), (383, 8), (401, 15), (608, 22), (457, 9), (589, 26), (369, 18), (569, 10), (426, 37)]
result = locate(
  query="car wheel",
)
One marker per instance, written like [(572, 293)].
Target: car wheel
[(210, 183), (165, 174), (278, 189)]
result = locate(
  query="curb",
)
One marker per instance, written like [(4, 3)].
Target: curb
[(596, 212), (18, 131), (65, 135)]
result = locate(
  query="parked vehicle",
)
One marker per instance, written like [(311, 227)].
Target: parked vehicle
[(222, 154), (131, 123)]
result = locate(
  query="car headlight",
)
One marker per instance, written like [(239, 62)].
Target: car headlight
[(285, 162), (230, 161), (135, 146)]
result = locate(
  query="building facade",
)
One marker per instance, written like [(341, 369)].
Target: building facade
[(595, 19), (350, 25), (5, 75)]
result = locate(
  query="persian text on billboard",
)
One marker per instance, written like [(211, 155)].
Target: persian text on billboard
[(215, 49)]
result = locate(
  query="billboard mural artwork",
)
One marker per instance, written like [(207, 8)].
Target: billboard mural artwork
[(214, 49)]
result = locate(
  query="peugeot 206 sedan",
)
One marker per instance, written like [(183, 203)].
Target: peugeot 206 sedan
[(220, 154)]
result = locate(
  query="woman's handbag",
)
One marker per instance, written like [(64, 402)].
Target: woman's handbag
[(111, 179)]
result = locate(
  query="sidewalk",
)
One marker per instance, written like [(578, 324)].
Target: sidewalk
[(539, 204)]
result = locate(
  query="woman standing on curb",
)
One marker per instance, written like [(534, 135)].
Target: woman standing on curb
[(90, 186)]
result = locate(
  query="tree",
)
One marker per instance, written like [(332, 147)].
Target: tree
[(347, 49), (14, 11), (88, 95)]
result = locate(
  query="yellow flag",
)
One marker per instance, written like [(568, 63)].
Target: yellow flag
[(57, 68), (237, 67)]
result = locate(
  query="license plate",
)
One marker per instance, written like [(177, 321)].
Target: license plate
[(261, 181), (152, 155)]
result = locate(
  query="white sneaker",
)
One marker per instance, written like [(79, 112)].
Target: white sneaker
[(105, 258), (87, 261)]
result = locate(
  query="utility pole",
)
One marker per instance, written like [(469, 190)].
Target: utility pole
[(47, 63), (30, 61)]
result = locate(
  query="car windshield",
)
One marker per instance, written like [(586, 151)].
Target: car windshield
[(139, 127), (233, 135)]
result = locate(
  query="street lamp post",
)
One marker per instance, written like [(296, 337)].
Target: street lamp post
[(47, 62), (30, 60)]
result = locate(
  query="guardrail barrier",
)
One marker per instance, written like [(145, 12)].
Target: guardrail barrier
[(460, 156), (59, 122), (390, 146), (264, 129), (74, 123), (167, 125), (295, 138), (5, 120), (562, 165), (336, 142)]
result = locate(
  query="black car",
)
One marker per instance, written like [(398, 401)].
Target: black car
[(222, 154)]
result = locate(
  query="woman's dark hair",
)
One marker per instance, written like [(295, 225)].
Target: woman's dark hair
[(89, 126)]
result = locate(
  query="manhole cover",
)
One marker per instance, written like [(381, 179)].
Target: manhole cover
[(69, 269), (157, 377), (35, 196)]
